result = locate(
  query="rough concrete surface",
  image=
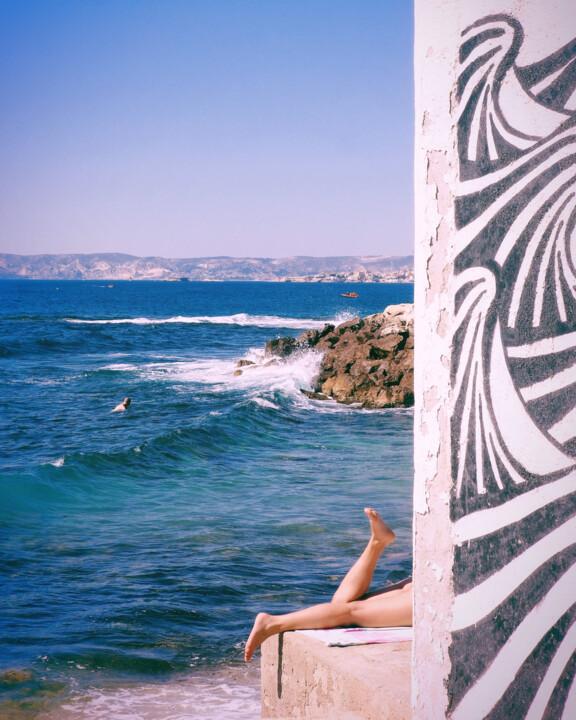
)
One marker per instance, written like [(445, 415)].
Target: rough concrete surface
[(303, 678)]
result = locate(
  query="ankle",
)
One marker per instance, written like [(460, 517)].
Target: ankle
[(380, 543)]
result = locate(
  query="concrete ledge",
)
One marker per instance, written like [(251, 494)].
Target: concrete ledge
[(303, 678)]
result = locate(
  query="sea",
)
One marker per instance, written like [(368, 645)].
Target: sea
[(136, 547)]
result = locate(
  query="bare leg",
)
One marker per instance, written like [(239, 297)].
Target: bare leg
[(389, 609), (358, 579), (386, 610)]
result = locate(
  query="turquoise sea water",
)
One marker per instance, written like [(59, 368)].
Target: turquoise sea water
[(136, 547)]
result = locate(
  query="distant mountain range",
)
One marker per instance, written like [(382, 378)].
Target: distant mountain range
[(117, 266)]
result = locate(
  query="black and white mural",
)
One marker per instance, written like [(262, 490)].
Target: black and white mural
[(513, 509)]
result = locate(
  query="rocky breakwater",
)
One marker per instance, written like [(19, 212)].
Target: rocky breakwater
[(367, 361)]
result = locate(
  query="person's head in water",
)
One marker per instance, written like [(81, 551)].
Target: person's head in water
[(123, 405)]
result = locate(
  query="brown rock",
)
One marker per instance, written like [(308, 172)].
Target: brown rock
[(349, 338), (363, 368), (367, 361), (315, 395), (328, 328), (370, 361), (408, 379), (340, 388), (280, 347), (350, 325), (327, 342), (308, 338), (15, 677)]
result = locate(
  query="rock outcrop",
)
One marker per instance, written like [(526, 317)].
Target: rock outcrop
[(367, 361)]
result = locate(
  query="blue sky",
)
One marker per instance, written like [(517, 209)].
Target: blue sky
[(190, 128)]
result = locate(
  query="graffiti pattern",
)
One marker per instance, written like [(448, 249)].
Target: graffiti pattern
[(513, 379)]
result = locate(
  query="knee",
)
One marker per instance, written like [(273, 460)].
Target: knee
[(342, 611), (352, 612)]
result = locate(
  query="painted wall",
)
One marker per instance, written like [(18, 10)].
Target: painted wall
[(495, 420)]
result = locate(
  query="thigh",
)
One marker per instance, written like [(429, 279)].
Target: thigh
[(387, 610), (394, 590)]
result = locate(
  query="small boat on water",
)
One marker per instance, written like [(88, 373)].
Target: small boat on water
[(350, 294)]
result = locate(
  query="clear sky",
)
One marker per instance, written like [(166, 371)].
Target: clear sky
[(187, 128)]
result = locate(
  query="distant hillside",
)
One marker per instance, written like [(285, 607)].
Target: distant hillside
[(117, 266)]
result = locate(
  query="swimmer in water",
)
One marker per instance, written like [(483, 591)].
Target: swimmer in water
[(350, 604), (123, 405)]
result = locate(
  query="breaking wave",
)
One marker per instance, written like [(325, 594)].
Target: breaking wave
[(242, 319)]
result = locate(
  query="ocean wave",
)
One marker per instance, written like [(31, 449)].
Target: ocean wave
[(228, 694), (331, 406), (266, 403), (286, 377), (242, 319), (117, 367), (6, 352), (225, 406), (263, 380), (263, 374)]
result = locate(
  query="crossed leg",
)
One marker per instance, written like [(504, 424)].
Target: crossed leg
[(388, 609)]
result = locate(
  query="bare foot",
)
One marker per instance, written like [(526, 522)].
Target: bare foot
[(260, 632), (381, 533)]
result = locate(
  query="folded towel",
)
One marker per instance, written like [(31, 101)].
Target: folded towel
[(341, 637)]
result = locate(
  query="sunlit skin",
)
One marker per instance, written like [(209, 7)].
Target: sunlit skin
[(123, 405), (391, 608)]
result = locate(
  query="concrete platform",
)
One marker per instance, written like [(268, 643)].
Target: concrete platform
[(303, 678)]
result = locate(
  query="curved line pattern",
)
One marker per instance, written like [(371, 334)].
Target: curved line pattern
[(562, 657), (546, 233), (522, 438), (488, 521), (482, 70), (470, 382), (565, 429), (470, 232), (484, 694), (570, 704), (560, 381), (470, 607), (546, 346), (513, 357), (471, 186), (544, 225)]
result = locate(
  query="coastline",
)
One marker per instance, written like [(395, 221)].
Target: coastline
[(118, 266), (144, 542)]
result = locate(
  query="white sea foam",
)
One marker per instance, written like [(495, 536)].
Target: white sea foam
[(121, 367), (264, 375), (265, 403), (258, 381), (58, 463), (242, 319), (204, 372), (230, 694), (287, 376)]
